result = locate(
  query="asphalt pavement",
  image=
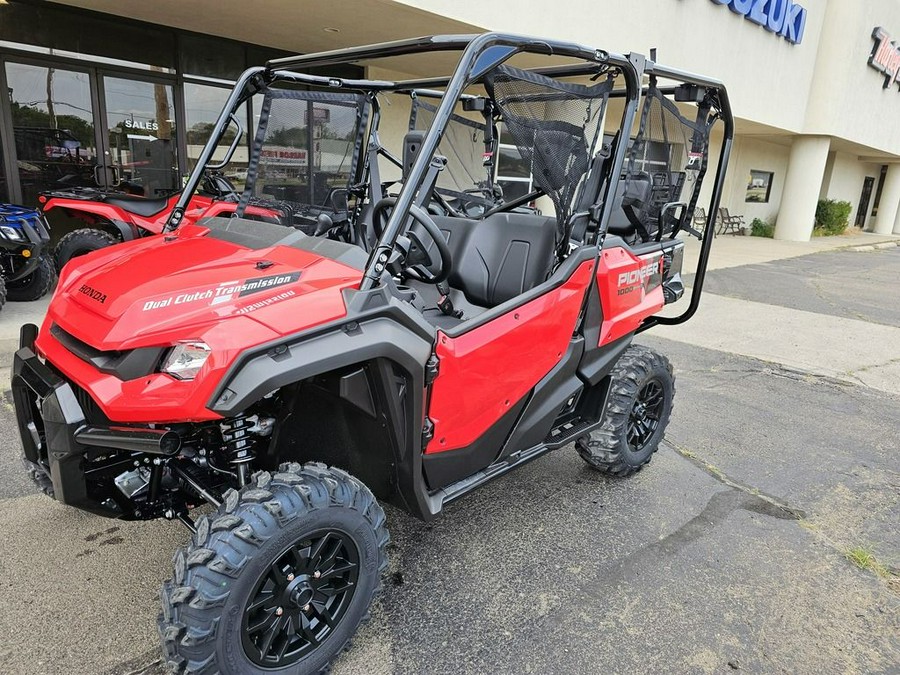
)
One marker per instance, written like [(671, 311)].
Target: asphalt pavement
[(727, 553)]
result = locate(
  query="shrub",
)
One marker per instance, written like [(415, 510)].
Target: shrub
[(832, 217), (762, 228)]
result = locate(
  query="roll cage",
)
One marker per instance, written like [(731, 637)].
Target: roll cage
[(480, 55)]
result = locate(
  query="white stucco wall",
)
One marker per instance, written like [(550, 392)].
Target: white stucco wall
[(847, 97), (844, 177), (751, 154)]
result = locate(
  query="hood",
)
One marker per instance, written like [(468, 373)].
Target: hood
[(162, 289)]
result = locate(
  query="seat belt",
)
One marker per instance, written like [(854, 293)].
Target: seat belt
[(444, 303)]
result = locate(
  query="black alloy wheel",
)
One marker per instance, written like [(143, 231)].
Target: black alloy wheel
[(645, 413), (300, 599)]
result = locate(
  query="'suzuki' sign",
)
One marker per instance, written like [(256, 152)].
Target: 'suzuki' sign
[(885, 57), (782, 17)]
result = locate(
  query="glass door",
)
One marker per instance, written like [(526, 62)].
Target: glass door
[(142, 145), (55, 139)]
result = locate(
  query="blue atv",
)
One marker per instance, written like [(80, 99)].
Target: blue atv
[(26, 272)]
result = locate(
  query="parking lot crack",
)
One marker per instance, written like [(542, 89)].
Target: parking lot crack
[(773, 506)]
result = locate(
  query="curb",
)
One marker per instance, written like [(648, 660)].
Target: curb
[(874, 247)]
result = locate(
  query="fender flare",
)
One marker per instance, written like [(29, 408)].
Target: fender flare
[(265, 371)]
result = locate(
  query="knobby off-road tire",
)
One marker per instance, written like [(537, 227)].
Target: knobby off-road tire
[(79, 242), (637, 412), (270, 555), (35, 285), (39, 476)]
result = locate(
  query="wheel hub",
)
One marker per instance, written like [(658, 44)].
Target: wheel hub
[(299, 592), (645, 413), (300, 599)]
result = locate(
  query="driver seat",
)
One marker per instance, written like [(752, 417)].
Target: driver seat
[(500, 257)]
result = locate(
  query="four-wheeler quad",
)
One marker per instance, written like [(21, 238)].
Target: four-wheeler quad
[(291, 382), (26, 272), (113, 217)]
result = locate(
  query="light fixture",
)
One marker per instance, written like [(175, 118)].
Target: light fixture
[(332, 30)]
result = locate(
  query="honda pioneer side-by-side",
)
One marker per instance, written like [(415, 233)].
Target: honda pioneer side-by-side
[(427, 336)]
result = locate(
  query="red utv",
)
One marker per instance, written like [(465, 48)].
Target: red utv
[(291, 382)]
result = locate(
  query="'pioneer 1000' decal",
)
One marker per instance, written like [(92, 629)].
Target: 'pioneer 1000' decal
[(225, 291)]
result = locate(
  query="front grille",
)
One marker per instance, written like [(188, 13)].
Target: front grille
[(92, 412), (126, 365)]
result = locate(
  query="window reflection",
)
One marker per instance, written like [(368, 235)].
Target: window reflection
[(53, 125), (140, 117)]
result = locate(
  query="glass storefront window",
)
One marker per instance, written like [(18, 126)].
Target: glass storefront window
[(53, 126), (210, 57), (140, 117), (202, 105)]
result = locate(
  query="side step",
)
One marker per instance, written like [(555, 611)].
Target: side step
[(455, 490)]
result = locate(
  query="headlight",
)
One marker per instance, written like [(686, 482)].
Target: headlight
[(12, 233), (186, 359)]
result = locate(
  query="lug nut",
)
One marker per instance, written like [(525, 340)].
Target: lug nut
[(305, 608), (279, 612), (290, 577), (317, 574)]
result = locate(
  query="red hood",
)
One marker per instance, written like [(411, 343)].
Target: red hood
[(157, 290)]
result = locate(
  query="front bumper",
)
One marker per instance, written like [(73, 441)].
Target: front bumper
[(56, 435), (23, 256)]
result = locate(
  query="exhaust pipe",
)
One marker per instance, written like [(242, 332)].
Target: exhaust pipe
[(151, 441)]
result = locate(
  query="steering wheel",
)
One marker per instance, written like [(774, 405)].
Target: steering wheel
[(419, 263)]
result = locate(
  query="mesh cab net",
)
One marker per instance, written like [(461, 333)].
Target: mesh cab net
[(555, 126), (671, 151), (305, 154)]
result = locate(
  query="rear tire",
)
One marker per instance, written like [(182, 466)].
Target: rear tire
[(2, 292), (636, 415), (294, 558), (35, 285), (81, 241)]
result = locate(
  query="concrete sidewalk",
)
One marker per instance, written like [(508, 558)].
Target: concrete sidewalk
[(732, 251), (754, 315)]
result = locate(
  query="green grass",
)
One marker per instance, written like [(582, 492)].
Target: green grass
[(865, 559)]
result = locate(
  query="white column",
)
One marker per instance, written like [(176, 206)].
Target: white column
[(802, 185), (889, 202)]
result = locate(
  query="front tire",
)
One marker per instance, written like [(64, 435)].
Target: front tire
[(636, 415), (79, 242), (33, 286), (278, 579)]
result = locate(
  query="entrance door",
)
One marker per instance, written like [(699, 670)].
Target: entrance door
[(141, 141), (54, 131), (863, 211)]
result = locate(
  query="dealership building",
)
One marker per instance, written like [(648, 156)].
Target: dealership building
[(103, 88)]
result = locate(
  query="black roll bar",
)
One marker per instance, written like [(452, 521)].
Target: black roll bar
[(479, 54)]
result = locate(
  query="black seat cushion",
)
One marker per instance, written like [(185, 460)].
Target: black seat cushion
[(140, 206), (500, 257)]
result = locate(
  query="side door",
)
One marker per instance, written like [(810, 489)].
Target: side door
[(486, 372)]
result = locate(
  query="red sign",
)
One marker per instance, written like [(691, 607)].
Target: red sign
[(885, 57)]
